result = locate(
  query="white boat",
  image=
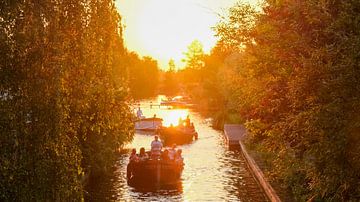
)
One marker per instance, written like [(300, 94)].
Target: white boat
[(178, 101), (148, 124)]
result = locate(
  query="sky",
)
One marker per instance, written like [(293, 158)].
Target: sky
[(163, 29)]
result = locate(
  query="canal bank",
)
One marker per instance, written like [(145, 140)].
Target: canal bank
[(235, 135)]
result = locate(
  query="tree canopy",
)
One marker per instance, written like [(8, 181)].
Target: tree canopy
[(63, 96), (295, 80)]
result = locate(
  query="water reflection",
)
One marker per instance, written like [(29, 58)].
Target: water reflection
[(169, 116), (211, 172)]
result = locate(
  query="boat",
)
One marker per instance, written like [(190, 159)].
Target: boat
[(148, 124), (177, 135), (177, 102), (154, 172)]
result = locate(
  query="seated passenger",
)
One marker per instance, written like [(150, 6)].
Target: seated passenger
[(156, 147), (133, 156), (142, 155), (165, 155), (172, 152), (178, 158)]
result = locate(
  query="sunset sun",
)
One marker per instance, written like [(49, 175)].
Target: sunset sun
[(164, 28)]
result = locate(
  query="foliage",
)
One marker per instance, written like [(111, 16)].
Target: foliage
[(295, 79), (62, 96), (194, 61), (170, 84), (143, 76)]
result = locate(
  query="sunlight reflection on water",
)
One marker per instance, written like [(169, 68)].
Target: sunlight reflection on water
[(211, 173)]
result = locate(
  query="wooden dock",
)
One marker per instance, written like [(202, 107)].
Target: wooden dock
[(233, 134)]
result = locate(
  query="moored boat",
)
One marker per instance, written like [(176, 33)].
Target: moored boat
[(148, 124), (177, 102)]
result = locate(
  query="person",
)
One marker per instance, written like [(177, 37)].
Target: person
[(181, 122), (133, 160), (187, 121), (165, 155), (133, 156), (178, 158), (156, 147), (142, 155), (139, 113), (172, 152)]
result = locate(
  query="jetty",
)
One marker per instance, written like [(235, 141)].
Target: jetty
[(233, 134)]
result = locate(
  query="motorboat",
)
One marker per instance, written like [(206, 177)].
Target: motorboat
[(154, 172), (178, 102), (148, 124), (177, 135)]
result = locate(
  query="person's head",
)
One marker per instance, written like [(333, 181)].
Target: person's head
[(156, 138), (179, 151), (142, 150), (173, 146), (139, 108), (133, 151)]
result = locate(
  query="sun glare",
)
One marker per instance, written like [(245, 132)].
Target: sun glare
[(163, 29), (173, 116)]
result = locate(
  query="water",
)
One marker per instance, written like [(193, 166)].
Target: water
[(211, 172)]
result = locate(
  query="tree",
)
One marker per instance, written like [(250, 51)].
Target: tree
[(63, 96), (143, 76), (170, 82), (194, 55), (40, 158), (297, 80)]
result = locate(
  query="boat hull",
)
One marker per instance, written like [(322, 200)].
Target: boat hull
[(177, 135), (148, 124), (154, 172)]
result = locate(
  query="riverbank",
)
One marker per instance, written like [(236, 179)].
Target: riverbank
[(262, 161), (257, 162)]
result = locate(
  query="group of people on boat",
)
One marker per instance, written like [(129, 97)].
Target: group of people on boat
[(186, 123), (156, 153)]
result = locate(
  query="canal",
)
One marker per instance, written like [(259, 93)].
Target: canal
[(211, 172)]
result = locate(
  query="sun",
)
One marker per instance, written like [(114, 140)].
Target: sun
[(163, 29), (173, 116)]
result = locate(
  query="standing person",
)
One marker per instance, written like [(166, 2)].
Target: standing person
[(187, 121), (181, 122), (156, 147), (139, 113)]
